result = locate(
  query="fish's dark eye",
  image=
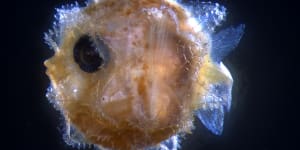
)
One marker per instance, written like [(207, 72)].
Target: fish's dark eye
[(88, 55)]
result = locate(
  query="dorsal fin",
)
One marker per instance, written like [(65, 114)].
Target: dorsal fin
[(225, 41)]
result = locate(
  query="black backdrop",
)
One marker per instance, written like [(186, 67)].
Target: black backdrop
[(264, 66)]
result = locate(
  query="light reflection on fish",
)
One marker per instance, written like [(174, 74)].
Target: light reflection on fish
[(132, 74)]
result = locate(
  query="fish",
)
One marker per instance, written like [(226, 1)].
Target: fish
[(136, 74)]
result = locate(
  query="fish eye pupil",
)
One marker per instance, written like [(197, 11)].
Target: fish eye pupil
[(86, 55)]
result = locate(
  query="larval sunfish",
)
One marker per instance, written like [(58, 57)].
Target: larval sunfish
[(132, 74)]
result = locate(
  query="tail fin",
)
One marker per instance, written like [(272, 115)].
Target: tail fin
[(215, 98)]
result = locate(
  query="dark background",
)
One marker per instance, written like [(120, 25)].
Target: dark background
[(264, 115)]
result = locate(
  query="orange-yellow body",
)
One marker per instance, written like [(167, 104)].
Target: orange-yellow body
[(159, 67)]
